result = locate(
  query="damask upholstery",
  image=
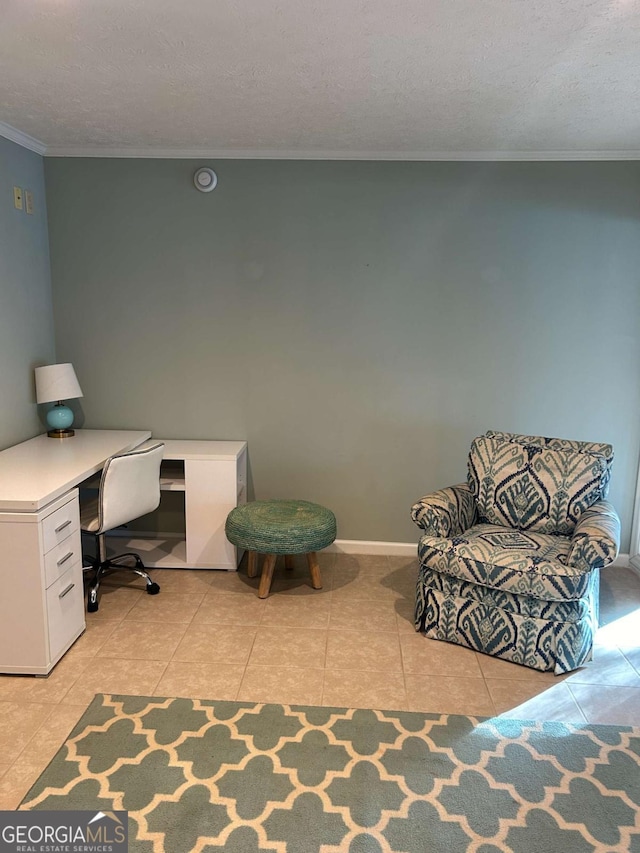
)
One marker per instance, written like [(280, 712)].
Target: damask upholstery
[(509, 560)]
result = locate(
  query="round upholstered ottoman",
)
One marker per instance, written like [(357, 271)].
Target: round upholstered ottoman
[(281, 527)]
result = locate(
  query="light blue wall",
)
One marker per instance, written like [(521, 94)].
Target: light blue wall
[(357, 323), (26, 314)]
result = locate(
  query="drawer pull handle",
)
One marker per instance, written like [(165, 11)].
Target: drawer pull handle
[(65, 591), (63, 525), (65, 558)]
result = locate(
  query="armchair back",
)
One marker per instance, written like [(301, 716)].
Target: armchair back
[(537, 483)]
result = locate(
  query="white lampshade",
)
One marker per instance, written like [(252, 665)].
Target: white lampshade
[(56, 382)]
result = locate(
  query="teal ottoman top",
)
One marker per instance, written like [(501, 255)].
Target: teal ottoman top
[(281, 527)]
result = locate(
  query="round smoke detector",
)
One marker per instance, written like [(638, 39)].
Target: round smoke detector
[(205, 180)]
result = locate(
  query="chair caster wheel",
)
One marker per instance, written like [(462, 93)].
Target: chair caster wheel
[(92, 603), (153, 589)]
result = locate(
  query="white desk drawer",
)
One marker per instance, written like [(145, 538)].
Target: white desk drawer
[(61, 557), (60, 524), (65, 610)]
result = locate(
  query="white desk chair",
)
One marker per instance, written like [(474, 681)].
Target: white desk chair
[(129, 488)]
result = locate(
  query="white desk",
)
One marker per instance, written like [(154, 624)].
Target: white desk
[(38, 471), (41, 589), (213, 477)]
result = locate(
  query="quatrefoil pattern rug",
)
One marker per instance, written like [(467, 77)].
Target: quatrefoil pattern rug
[(211, 776)]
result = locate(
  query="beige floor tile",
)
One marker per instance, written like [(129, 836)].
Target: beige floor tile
[(288, 685), (367, 586), (144, 640), (19, 721), (50, 736), (404, 616), (225, 609), (326, 559), (297, 581), (15, 783), (3, 769), (209, 643), (233, 582), (609, 705), (50, 689), (608, 667), (523, 700), (200, 680), (438, 694), (376, 650), (403, 580), (282, 646), (619, 602), (622, 630), (363, 616), (177, 607), (632, 655), (345, 688), (186, 581), (129, 677), (496, 668), (620, 576), (114, 602), (407, 564), (432, 657), (295, 611), (91, 642), (361, 562)]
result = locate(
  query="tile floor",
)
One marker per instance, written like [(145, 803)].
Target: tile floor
[(350, 644)]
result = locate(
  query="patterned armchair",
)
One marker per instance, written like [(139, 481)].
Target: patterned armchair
[(509, 560)]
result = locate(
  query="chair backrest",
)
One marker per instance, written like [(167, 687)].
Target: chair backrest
[(536, 483), (129, 486)]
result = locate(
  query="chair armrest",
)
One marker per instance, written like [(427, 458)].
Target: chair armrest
[(447, 512), (596, 538)]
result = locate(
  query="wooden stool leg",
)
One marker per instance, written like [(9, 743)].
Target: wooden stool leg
[(252, 564), (288, 562), (267, 574), (314, 568)]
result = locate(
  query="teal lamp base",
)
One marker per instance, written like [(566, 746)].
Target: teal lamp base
[(59, 421)]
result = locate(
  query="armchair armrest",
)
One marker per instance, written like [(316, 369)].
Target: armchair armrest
[(596, 538), (447, 512)]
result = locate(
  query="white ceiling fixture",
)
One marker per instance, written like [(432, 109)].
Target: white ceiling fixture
[(365, 79), (205, 180)]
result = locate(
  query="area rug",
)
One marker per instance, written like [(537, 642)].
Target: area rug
[(208, 776)]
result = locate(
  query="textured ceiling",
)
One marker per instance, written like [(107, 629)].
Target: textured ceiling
[(324, 78)]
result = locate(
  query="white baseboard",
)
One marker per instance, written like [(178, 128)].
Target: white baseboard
[(363, 546)]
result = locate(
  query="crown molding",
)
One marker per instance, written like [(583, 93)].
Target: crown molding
[(262, 154), (23, 139), (144, 152)]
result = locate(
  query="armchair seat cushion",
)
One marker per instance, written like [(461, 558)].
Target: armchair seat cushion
[(516, 561)]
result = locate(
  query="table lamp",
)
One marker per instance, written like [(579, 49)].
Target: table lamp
[(58, 382)]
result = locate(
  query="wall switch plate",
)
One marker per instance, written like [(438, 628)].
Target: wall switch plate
[(28, 201), (17, 198)]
